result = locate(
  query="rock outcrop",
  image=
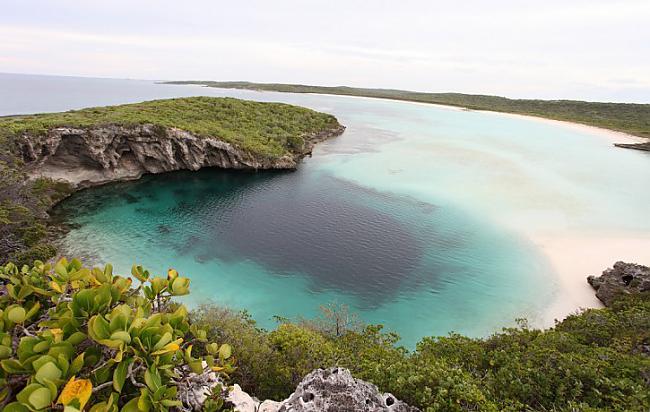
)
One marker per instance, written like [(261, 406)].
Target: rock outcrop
[(637, 146), (333, 389), (623, 278), (100, 154)]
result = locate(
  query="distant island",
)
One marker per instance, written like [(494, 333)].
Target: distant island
[(630, 118)]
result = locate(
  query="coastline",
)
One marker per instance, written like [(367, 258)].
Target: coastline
[(574, 257), (613, 135)]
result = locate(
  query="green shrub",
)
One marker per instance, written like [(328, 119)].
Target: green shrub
[(592, 361), (41, 251), (77, 336)]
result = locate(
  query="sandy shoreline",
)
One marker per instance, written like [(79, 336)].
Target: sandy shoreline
[(613, 135), (575, 257)]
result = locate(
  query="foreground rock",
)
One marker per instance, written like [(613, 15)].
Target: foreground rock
[(96, 155), (332, 389), (623, 278)]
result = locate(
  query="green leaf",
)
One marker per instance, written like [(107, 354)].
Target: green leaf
[(41, 346), (225, 351), (131, 406), (33, 310), (152, 379), (144, 401), (119, 374), (196, 366), (5, 352), (98, 328), (76, 364), (121, 336), (16, 314), (48, 371), (164, 339), (42, 360), (60, 269), (40, 398), (15, 407), (76, 338), (11, 366), (180, 286), (170, 403)]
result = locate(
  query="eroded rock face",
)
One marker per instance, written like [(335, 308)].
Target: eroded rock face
[(93, 156), (333, 389), (623, 278)]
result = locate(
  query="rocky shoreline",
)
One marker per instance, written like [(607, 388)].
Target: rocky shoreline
[(85, 157), (622, 279), (636, 146)]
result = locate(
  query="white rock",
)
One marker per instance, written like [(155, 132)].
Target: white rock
[(242, 401)]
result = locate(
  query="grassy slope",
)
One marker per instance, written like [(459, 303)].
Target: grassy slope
[(624, 117), (265, 129)]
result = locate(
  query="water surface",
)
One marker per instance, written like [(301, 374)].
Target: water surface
[(418, 217)]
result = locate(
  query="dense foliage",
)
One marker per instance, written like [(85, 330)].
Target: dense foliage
[(624, 117), (596, 360), (265, 129), (73, 337)]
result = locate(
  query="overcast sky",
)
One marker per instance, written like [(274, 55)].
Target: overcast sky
[(591, 49)]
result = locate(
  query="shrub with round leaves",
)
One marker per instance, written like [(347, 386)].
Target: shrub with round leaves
[(73, 337)]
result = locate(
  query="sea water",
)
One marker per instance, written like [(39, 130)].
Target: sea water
[(417, 217)]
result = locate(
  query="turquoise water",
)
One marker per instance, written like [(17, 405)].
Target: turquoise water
[(418, 217)]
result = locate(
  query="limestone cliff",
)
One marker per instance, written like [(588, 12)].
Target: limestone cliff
[(96, 155)]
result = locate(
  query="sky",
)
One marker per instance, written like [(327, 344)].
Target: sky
[(576, 49)]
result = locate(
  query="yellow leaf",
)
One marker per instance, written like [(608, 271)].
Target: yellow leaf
[(170, 347), (94, 280), (80, 389), (57, 334), (56, 287), (172, 274)]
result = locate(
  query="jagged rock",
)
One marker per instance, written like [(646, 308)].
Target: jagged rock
[(623, 278), (269, 406), (333, 389), (243, 402), (100, 154)]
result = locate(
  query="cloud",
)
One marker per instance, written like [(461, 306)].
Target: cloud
[(577, 49)]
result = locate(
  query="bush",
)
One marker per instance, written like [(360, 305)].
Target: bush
[(84, 337), (592, 361)]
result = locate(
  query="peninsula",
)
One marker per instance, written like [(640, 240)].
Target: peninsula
[(45, 157), (630, 118)]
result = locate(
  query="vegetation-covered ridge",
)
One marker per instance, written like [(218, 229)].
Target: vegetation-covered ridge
[(75, 336), (266, 133), (264, 129), (623, 117)]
